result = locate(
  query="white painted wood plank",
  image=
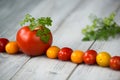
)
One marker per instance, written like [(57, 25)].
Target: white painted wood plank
[(11, 13), (86, 72), (69, 33), (54, 69), (9, 18), (10, 31), (96, 72), (66, 35), (45, 68), (93, 72), (57, 10), (42, 68), (10, 64)]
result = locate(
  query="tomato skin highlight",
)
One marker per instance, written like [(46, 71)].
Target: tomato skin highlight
[(65, 53), (31, 44), (115, 62), (90, 57), (3, 43)]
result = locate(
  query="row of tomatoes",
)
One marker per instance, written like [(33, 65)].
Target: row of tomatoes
[(89, 57), (11, 47)]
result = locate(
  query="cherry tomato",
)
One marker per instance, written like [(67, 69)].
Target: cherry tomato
[(52, 52), (3, 42), (103, 59), (77, 56), (90, 57), (12, 47), (65, 54), (115, 63), (31, 44)]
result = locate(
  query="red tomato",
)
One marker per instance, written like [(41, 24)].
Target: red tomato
[(115, 63), (90, 57), (3, 42), (65, 54), (31, 44)]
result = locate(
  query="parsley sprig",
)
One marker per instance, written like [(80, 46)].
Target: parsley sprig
[(40, 24), (101, 29)]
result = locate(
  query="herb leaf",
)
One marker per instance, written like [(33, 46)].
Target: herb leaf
[(45, 21), (40, 23), (101, 29)]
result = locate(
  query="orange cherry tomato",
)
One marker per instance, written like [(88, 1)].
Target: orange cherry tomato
[(12, 47), (77, 56), (52, 52)]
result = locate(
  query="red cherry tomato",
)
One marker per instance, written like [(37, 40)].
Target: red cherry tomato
[(3, 42), (115, 63), (65, 54), (31, 44), (90, 57)]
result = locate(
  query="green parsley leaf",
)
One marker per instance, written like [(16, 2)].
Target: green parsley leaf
[(45, 21), (45, 38), (40, 23), (101, 29)]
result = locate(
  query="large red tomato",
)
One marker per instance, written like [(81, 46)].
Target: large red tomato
[(31, 44)]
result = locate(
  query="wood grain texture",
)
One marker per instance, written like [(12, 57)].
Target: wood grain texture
[(36, 11), (59, 69), (10, 64), (85, 72), (69, 17)]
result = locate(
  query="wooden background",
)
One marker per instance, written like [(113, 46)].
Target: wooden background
[(69, 17)]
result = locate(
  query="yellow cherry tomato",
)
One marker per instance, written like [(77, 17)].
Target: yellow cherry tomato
[(103, 59), (52, 52), (12, 47), (77, 56)]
